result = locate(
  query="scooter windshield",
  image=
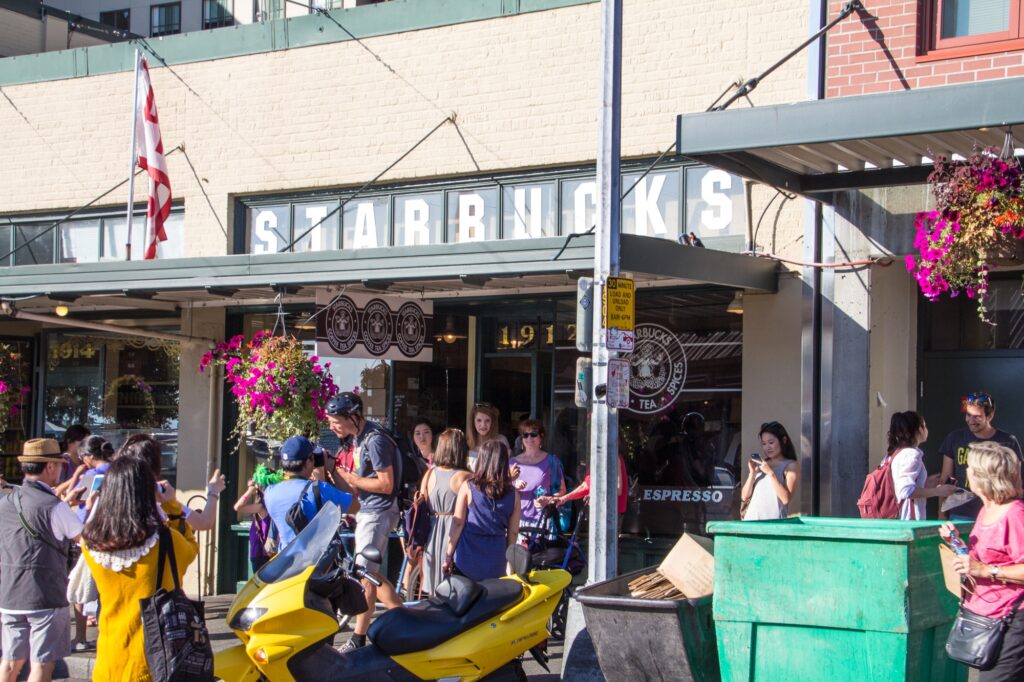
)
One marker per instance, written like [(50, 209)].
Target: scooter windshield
[(307, 547)]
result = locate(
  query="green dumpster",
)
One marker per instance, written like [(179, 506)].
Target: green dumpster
[(832, 599)]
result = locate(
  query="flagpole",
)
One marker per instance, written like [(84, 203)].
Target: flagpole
[(131, 165)]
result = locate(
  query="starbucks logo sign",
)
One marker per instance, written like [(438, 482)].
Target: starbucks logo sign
[(377, 327), (411, 329), (342, 325), (657, 369)]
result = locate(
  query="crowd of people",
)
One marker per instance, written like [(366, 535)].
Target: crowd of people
[(82, 529)]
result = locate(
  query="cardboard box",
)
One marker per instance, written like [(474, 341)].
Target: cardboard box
[(690, 566)]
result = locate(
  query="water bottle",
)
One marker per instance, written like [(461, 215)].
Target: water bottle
[(956, 544)]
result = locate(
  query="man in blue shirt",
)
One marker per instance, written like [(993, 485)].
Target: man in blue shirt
[(297, 461)]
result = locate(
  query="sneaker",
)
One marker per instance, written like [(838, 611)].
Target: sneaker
[(350, 646), (81, 647)]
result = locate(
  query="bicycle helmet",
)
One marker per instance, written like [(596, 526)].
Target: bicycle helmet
[(344, 405)]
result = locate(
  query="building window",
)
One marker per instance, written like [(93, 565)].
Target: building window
[(45, 240), (217, 14), (165, 19), (973, 26), (118, 18)]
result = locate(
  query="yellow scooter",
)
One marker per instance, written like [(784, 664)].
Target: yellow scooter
[(285, 619)]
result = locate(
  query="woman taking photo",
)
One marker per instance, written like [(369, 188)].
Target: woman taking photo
[(441, 488), (540, 474), (120, 545), (486, 519), (907, 431), (995, 561), (772, 477), (423, 439), (483, 426)]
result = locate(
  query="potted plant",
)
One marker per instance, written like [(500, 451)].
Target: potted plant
[(280, 390), (978, 221)]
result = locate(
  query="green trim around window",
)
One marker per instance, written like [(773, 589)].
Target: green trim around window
[(395, 16)]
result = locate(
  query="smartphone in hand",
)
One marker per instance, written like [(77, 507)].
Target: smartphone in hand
[(97, 481)]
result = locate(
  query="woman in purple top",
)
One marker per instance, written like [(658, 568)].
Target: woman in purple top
[(486, 519), (539, 473)]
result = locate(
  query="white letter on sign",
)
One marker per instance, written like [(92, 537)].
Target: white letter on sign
[(709, 218), (584, 206), (417, 214), (528, 215), (471, 218), (647, 211), (263, 231), (365, 236)]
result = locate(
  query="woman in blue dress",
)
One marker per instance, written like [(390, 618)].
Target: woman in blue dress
[(486, 519)]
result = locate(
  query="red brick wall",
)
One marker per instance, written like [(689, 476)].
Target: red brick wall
[(866, 55)]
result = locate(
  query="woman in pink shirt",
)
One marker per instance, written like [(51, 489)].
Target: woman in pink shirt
[(996, 559)]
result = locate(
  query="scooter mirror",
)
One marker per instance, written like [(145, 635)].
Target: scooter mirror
[(372, 554)]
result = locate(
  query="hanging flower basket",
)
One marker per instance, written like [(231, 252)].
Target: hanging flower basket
[(280, 390), (977, 223), (12, 392)]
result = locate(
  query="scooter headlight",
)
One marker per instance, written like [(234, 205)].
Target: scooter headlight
[(245, 618)]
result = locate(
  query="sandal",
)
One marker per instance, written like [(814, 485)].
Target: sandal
[(81, 647)]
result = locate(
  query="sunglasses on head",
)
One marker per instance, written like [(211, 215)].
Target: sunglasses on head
[(770, 425), (530, 434), (483, 405), (979, 397)]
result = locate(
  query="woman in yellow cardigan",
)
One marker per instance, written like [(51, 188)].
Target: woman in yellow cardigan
[(120, 546)]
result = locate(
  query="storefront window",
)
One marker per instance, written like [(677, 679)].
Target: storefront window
[(952, 324), (116, 387), (17, 426), (435, 391)]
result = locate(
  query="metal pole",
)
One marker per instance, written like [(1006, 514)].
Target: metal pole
[(131, 164), (603, 547)]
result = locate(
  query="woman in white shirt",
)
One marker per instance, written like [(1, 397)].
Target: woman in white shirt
[(907, 431)]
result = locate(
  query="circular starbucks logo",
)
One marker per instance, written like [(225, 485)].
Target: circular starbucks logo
[(377, 327), (657, 369), (342, 325), (412, 329)]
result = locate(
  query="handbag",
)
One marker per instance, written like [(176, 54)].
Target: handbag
[(976, 640), (176, 642), (296, 516), (417, 526)]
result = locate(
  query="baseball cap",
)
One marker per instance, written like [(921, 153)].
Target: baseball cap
[(296, 448)]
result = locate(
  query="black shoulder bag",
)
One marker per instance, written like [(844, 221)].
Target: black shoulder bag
[(976, 640), (296, 517), (174, 632)]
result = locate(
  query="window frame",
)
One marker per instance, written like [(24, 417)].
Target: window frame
[(153, 33), (935, 47), (223, 21), (114, 12)]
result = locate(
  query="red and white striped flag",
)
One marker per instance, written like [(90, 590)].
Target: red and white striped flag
[(151, 158)]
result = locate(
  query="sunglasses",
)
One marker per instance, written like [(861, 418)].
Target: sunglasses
[(484, 405), (530, 434), (979, 397), (769, 425)]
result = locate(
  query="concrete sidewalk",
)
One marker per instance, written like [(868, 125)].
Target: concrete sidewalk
[(78, 667)]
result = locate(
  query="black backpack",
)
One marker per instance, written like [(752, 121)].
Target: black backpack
[(296, 517), (409, 469)]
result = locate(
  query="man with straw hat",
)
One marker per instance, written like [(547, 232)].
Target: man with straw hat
[(36, 529)]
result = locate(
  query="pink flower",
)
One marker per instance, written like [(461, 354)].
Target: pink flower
[(3, 386), (910, 262)]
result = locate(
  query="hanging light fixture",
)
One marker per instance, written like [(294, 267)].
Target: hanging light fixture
[(449, 334), (736, 304), (61, 310)]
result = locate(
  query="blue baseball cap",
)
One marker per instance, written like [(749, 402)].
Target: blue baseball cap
[(296, 449)]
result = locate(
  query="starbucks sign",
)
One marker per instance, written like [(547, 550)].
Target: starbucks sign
[(657, 369)]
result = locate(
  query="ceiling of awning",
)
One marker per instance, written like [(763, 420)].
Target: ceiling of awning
[(818, 147)]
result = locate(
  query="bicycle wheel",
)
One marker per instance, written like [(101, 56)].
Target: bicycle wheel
[(410, 588), (556, 625)]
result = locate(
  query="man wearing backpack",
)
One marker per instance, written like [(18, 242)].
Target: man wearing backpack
[(375, 478), (294, 502)]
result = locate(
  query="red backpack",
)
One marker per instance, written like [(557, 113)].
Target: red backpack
[(878, 496)]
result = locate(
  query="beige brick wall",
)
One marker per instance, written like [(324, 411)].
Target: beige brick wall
[(524, 89)]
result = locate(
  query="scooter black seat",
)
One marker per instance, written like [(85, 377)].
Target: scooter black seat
[(433, 621)]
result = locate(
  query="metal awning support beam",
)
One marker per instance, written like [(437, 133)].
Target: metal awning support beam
[(9, 310)]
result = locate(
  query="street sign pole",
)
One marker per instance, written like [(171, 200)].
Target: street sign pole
[(603, 548)]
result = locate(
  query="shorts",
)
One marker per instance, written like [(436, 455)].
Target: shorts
[(372, 530), (40, 636)]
